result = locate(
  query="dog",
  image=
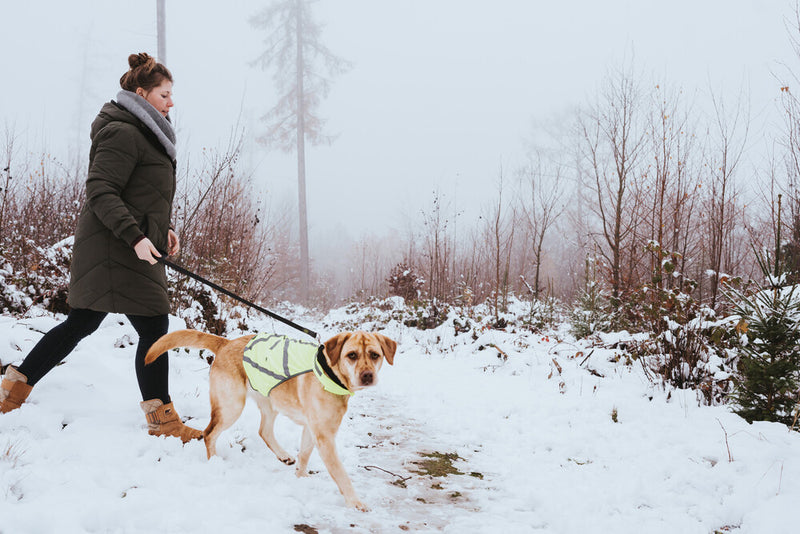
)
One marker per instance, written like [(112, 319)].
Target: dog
[(315, 398)]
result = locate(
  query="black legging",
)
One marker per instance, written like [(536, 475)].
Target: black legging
[(61, 340)]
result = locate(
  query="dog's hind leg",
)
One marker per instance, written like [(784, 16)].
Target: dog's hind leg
[(227, 402), (266, 430), (306, 448)]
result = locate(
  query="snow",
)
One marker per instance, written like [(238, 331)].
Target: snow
[(534, 433)]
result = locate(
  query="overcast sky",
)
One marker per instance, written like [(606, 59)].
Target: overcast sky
[(442, 93)]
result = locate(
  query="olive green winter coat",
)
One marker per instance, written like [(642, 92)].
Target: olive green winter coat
[(129, 193)]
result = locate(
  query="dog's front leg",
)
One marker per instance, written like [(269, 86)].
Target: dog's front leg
[(327, 451)]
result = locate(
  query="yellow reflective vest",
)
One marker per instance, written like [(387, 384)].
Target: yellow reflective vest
[(271, 359)]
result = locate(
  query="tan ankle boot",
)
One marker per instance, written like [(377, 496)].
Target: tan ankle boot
[(13, 390), (163, 420)]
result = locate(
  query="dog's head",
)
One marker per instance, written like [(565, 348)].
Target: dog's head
[(358, 356)]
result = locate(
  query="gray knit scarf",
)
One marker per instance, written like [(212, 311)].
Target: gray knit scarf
[(145, 112)]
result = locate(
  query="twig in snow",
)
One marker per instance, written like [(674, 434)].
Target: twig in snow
[(730, 458), (552, 349), (797, 413), (527, 285), (369, 467), (498, 349)]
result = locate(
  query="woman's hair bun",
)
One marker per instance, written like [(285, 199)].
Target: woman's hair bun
[(140, 60), (144, 72)]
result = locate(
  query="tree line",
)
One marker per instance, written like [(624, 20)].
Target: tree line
[(639, 184), (654, 194)]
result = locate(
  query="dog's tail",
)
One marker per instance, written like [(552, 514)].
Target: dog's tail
[(184, 338)]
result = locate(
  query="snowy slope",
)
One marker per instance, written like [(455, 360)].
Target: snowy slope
[(533, 437)]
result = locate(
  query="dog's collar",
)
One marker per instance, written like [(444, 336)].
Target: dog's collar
[(330, 382)]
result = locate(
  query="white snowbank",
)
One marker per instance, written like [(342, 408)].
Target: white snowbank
[(535, 436)]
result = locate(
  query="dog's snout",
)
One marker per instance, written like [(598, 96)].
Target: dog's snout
[(367, 377)]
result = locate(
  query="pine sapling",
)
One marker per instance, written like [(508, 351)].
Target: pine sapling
[(768, 381)]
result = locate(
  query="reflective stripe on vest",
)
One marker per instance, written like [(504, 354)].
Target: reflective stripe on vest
[(272, 359)]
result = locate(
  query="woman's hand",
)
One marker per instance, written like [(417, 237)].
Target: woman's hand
[(173, 243), (146, 251)]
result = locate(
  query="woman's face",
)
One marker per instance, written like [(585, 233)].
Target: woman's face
[(160, 97)]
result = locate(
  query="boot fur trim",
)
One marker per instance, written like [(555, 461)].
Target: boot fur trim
[(13, 390), (163, 420)]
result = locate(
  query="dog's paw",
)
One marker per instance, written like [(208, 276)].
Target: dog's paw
[(301, 473), (358, 505), (288, 460)]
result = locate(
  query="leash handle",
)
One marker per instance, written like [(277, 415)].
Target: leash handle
[(190, 274)]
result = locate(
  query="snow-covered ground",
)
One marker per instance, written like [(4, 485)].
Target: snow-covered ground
[(554, 439)]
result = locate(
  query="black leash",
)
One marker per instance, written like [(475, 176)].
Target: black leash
[(224, 291)]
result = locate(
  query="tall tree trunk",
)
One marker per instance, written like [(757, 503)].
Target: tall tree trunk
[(538, 257), (161, 24), (301, 162), (616, 246), (497, 259), (718, 239)]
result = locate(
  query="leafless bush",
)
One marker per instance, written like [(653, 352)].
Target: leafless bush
[(39, 203), (230, 234), (404, 282), (437, 249)]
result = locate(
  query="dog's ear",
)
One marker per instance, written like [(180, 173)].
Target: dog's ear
[(333, 347), (389, 347)]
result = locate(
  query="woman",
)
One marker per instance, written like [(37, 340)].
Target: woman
[(124, 224)]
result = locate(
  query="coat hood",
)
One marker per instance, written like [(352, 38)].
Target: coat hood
[(112, 112), (135, 110)]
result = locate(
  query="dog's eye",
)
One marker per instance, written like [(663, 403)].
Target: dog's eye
[(374, 355), (352, 356)]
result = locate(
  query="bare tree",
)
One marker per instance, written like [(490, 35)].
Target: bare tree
[(769, 228), (728, 135), (437, 249), (791, 147), (543, 206), (368, 261), (672, 187), (303, 68), (791, 159), (7, 184), (499, 241), (612, 141), (469, 273)]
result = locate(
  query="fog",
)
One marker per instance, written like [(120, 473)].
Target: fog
[(441, 95)]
